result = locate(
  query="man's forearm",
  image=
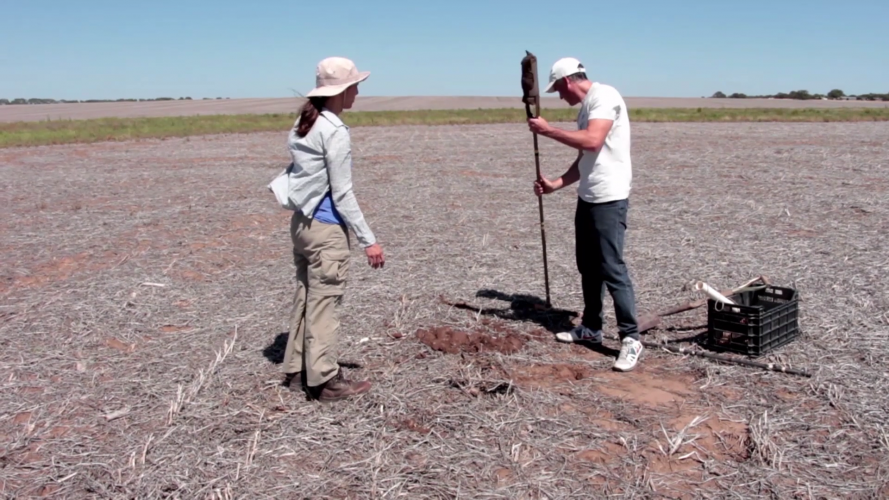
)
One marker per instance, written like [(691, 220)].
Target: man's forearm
[(577, 139), (571, 176)]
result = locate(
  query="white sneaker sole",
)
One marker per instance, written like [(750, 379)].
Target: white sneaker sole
[(625, 370), (570, 339)]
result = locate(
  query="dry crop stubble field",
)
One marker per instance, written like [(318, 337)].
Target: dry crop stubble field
[(145, 290)]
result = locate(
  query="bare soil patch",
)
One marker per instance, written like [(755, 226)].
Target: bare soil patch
[(648, 388), (453, 341), (143, 300)]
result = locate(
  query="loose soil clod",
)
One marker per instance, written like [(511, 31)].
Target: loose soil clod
[(448, 340)]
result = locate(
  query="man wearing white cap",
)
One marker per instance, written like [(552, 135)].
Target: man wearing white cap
[(604, 170)]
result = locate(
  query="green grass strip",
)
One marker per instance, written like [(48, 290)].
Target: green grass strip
[(121, 129)]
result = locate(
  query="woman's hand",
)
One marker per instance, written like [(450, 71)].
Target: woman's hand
[(375, 257)]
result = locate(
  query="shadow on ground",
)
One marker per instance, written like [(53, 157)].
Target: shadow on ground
[(527, 308), (531, 308), (274, 352)]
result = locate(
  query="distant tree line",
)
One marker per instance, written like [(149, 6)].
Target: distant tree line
[(21, 100), (804, 95)]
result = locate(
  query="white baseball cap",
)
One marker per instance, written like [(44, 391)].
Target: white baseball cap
[(334, 75), (565, 66)]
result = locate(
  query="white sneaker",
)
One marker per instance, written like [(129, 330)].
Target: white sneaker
[(630, 351), (580, 333)]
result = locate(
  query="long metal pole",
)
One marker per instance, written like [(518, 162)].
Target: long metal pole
[(540, 204)]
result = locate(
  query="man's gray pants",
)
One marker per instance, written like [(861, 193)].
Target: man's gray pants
[(600, 229)]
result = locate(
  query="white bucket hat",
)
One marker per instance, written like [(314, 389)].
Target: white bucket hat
[(566, 66), (334, 75)]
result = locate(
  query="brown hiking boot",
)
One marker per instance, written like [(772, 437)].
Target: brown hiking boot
[(340, 387)]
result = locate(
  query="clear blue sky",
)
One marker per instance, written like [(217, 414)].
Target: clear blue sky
[(109, 49)]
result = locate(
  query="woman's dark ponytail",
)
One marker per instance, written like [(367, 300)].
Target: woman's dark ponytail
[(309, 113)]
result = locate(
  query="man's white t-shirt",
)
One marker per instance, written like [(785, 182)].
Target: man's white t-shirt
[(605, 175)]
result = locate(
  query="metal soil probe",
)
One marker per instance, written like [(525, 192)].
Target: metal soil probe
[(532, 97)]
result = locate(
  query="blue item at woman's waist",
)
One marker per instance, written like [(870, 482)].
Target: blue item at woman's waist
[(326, 212)]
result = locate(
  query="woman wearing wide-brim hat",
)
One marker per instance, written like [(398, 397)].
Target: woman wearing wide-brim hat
[(325, 208)]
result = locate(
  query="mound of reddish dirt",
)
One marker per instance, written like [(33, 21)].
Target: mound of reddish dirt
[(446, 339)]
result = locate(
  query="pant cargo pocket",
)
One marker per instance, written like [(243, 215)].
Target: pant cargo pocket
[(331, 272)]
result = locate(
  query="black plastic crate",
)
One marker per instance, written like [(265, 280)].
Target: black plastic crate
[(759, 321)]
